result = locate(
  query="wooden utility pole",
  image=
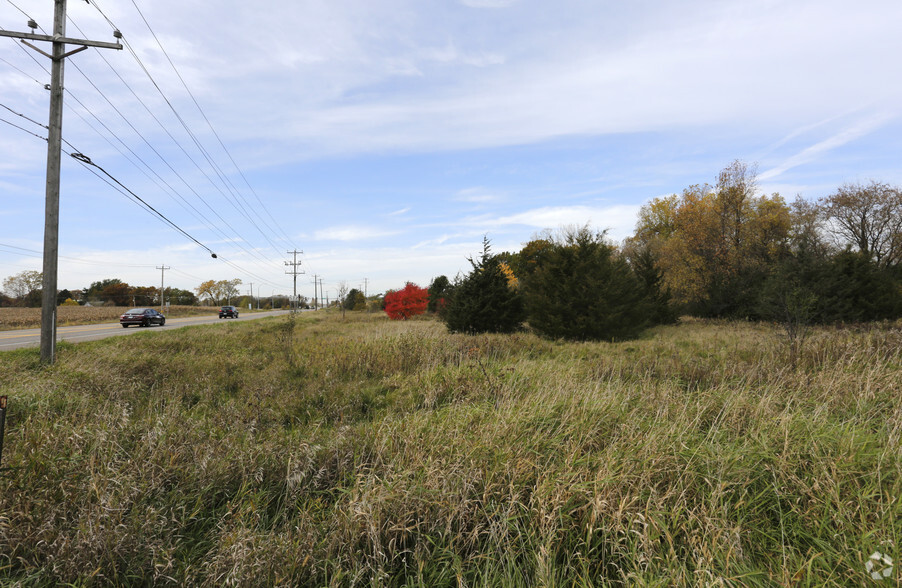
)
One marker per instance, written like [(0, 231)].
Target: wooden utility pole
[(162, 281), (54, 143), (294, 272), (314, 292)]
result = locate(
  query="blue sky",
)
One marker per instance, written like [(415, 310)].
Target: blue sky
[(386, 137)]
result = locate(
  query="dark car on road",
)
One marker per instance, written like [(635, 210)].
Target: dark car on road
[(142, 316), (228, 312)]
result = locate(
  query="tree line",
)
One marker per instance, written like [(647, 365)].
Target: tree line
[(725, 251), (721, 250), (24, 289)]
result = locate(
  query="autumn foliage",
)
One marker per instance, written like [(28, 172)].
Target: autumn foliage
[(407, 302)]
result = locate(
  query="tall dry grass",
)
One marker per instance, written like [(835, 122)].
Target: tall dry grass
[(323, 452)]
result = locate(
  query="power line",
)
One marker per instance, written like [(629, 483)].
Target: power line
[(23, 129), (206, 119), (24, 73), (227, 183), (25, 117), (210, 224), (25, 252), (54, 149), (85, 160), (11, 3), (119, 186), (163, 159), (239, 206)]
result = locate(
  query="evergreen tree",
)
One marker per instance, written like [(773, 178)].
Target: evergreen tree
[(583, 290), (656, 293), (483, 302), (854, 288), (439, 290)]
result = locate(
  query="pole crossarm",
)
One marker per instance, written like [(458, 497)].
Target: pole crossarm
[(60, 39), (85, 43)]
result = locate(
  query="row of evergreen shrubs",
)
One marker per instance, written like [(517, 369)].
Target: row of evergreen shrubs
[(575, 287)]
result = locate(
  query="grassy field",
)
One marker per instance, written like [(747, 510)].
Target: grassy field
[(318, 451), (30, 318)]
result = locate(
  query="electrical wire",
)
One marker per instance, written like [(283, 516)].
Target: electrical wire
[(210, 224), (25, 117), (238, 204), (11, 3), (23, 129), (24, 73), (74, 97), (120, 187), (187, 129), (39, 254), (156, 151), (233, 190), (85, 160), (204, 115)]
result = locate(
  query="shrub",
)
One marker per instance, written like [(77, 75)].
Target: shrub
[(407, 302), (438, 291), (483, 301), (583, 290)]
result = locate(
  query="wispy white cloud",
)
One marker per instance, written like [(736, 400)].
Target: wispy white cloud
[(488, 3), (351, 233), (618, 219), (815, 151), (477, 195)]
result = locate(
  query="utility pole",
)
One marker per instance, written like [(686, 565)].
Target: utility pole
[(314, 291), (54, 143), (162, 289), (252, 294), (294, 272), (366, 282)]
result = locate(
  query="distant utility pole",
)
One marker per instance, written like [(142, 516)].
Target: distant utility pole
[(365, 284), (322, 294), (162, 289), (252, 294), (294, 272), (54, 143), (314, 291)]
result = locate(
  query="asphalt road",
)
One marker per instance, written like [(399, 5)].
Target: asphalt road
[(32, 337)]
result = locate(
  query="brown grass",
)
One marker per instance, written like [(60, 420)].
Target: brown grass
[(321, 451)]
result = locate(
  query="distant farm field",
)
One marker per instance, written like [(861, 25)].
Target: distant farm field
[(321, 451), (30, 318)]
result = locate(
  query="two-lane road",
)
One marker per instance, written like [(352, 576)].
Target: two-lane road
[(32, 337)]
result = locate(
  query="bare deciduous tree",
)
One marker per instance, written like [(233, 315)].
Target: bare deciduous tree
[(342, 292), (868, 217), (19, 285)]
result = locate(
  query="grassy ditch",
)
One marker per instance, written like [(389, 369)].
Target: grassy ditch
[(318, 451)]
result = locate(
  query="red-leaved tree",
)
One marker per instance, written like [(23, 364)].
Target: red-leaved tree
[(407, 302)]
